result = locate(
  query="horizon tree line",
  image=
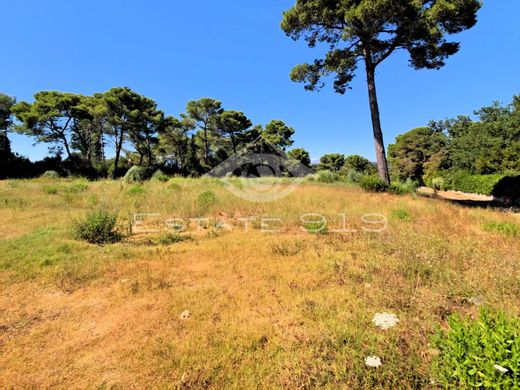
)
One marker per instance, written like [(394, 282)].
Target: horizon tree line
[(83, 128)]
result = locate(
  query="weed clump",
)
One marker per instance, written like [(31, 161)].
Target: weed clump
[(98, 227), (484, 353)]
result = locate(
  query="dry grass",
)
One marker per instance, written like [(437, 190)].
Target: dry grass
[(287, 309)]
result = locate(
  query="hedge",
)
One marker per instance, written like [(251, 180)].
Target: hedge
[(495, 184)]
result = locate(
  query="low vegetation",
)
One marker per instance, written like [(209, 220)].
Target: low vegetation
[(480, 353), (249, 294), (98, 227)]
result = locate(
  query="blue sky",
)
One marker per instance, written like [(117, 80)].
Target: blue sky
[(174, 51)]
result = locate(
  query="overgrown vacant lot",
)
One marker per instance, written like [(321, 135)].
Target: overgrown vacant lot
[(286, 309)]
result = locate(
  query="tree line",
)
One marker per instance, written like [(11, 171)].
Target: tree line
[(486, 145), (134, 131)]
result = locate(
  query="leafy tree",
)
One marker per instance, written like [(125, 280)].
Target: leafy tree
[(6, 104), (332, 162), (145, 128), (232, 124), (134, 118), (50, 118), (174, 142), (413, 150), (88, 128), (301, 155), (370, 31), (204, 112), (359, 163), (278, 133)]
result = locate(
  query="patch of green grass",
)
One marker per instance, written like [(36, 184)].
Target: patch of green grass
[(169, 238), (76, 188), (33, 253), (506, 228), (51, 189), (401, 214), (136, 190)]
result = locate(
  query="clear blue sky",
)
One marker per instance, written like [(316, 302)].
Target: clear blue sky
[(174, 51)]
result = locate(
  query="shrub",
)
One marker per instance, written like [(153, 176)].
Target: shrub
[(401, 214), (51, 190), (495, 184), (508, 185), (505, 228), (351, 176), (373, 184), (98, 227), (472, 353), (438, 183), (137, 174), (50, 175), (207, 198), (327, 176), (400, 188), (160, 176)]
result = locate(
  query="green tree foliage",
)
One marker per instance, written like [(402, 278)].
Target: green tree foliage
[(140, 134), (6, 104), (204, 113), (413, 150), (332, 162), (132, 117), (300, 155), (370, 31), (232, 125), (462, 147), (359, 163), (50, 118), (174, 143), (278, 133)]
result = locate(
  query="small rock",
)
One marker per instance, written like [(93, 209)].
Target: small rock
[(185, 315)]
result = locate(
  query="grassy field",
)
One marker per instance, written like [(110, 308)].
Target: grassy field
[(271, 309)]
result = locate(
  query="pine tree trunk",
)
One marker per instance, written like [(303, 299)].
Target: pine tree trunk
[(382, 165)]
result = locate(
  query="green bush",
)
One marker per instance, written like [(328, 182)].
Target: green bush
[(207, 198), (373, 184), (51, 190), (466, 182), (137, 174), (327, 176), (509, 186), (408, 187), (438, 183), (351, 176), (50, 175), (470, 352), (98, 227), (160, 176)]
